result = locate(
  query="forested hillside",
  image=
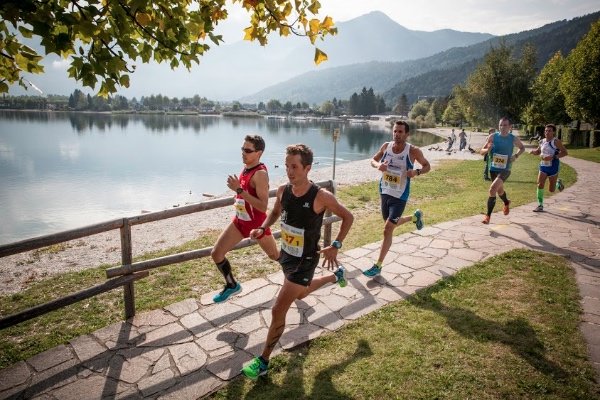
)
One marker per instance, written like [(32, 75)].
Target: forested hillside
[(434, 75)]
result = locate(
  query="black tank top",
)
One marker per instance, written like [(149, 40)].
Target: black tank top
[(300, 225)]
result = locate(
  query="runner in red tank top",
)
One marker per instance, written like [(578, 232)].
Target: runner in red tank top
[(251, 201)]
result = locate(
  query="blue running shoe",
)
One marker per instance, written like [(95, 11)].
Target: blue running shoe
[(255, 368), (559, 185), (340, 275), (225, 293), (373, 271), (418, 219)]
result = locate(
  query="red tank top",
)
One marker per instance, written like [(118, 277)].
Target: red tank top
[(251, 213)]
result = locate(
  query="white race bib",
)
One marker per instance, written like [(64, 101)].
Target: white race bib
[(292, 240), (499, 161), (393, 181), (240, 210), (544, 163)]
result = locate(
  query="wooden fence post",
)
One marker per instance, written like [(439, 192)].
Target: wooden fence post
[(127, 259)]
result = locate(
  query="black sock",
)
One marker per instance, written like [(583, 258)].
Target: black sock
[(490, 205), (504, 198), (225, 269)]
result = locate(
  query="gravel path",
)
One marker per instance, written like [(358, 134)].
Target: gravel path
[(20, 270)]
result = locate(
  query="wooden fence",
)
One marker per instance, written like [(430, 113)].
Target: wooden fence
[(126, 274)]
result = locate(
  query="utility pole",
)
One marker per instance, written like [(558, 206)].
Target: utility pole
[(336, 137)]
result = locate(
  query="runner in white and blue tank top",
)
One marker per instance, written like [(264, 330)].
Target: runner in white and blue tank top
[(499, 147), (396, 160), (550, 150), (394, 181)]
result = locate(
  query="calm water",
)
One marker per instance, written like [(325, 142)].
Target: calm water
[(61, 171)]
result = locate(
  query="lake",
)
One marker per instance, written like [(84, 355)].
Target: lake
[(61, 171)]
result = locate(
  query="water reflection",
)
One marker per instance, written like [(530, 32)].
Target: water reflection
[(64, 170)]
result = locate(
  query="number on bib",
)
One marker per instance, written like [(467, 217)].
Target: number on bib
[(499, 161)]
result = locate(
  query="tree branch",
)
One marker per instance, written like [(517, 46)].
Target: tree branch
[(147, 32)]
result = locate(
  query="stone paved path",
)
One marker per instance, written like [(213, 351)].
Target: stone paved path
[(192, 348)]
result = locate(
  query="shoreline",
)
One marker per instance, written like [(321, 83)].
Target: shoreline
[(18, 271)]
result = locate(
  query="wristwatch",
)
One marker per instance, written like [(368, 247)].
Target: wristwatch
[(337, 244), (239, 190)]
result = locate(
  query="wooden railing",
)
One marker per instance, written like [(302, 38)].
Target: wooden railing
[(126, 274)]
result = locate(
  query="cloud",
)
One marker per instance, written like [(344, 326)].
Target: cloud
[(60, 64)]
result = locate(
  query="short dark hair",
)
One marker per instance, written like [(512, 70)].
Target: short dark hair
[(506, 119), (305, 153), (406, 126), (257, 141), (551, 126)]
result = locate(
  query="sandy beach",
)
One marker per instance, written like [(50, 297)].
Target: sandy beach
[(20, 270)]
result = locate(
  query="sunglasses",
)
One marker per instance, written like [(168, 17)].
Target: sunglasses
[(248, 151)]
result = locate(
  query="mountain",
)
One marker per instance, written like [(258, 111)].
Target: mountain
[(432, 75), (232, 71), (376, 37)]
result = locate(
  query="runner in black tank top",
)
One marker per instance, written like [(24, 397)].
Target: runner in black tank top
[(301, 206), (298, 212)]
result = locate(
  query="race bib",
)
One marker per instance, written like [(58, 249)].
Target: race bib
[(544, 163), (499, 161), (393, 181), (292, 240), (240, 210)]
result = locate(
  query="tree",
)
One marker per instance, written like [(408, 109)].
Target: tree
[(354, 104), (273, 105), (439, 106), (498, 87), (453, 114), (104, 39), (401, 107), (548, 104), (326, 108), (420, 108), (580, 82)]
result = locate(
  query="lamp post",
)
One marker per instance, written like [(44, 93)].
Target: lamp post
[(336, 136)]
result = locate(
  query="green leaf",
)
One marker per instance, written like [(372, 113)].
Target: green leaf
[(27, 33)]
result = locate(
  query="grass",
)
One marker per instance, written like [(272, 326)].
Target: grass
[(453, 190), (506, 328), (477, 335), (585, 153)]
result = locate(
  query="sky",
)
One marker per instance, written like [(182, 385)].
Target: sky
[(498, 17)]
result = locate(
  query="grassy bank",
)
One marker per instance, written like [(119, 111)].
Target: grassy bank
[(453, 190), (585, 153), (506, 328)]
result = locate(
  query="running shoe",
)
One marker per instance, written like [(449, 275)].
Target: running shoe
[(486, 219), (539, 208), (418, 219), (486, 178), (340, 276), (226, 292), (255, 368), (559, 185), (506, 208), (373, 271)]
